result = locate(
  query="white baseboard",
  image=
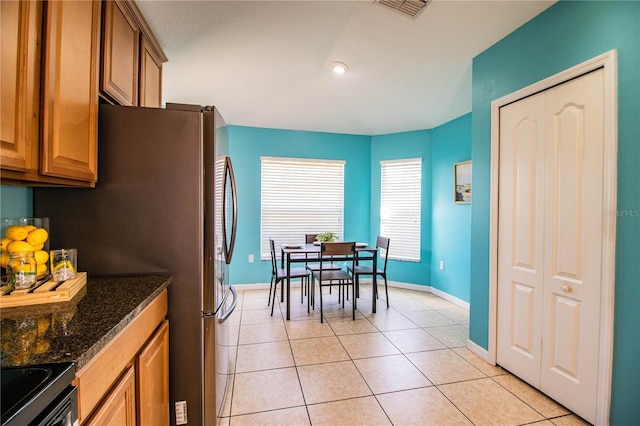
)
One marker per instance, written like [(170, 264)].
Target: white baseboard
[(450, 298), (408, 286), (396, 284), (480, 351), (257, 286)]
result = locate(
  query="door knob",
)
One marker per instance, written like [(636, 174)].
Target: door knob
[(566, 288)]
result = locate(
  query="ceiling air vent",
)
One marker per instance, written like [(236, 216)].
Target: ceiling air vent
[(411, 8)]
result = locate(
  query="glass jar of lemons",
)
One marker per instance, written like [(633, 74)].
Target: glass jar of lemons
[(25, 234)]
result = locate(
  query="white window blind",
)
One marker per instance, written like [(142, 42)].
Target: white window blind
[(400, 205), (298, 197)]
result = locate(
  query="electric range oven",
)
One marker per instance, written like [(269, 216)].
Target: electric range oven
[(39, 395)]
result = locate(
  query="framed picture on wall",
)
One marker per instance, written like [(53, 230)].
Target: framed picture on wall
[(462, 182)]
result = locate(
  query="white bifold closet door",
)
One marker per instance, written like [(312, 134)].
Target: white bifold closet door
[(550, 240)]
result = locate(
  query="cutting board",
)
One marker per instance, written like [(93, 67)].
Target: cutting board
[(46, 292)]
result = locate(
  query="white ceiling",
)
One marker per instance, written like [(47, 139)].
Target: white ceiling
[(266, 63)]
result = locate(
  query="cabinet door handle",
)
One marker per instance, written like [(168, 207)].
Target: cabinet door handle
[(566, 288)]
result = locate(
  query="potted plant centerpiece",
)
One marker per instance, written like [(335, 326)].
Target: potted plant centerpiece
[(326, 237)]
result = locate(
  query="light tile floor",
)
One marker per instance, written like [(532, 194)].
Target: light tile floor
[(406, 365)]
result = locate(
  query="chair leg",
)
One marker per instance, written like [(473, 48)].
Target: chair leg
[(273, 302), (353, 292), (320, 288), (386, 290), (312, 293), (308, 295), (282, 292), (270, 287)]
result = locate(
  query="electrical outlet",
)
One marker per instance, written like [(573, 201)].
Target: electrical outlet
[(442, 265), (250, 258), (181, 412)]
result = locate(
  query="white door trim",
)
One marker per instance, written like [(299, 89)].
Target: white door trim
[(607, 61)]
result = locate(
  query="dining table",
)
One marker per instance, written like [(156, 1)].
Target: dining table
[(304, 253)]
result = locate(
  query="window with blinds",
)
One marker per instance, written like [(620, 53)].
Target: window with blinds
[(300, 196), (400, 205)]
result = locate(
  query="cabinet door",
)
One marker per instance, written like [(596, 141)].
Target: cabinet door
[(153, 379), (120, 51), (70, 90), (119, 407), (150, 76), (20, 33)]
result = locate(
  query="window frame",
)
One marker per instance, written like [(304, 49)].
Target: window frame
[(313, 180), (403, 220)]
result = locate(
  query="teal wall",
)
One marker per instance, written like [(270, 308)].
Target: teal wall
[(16, 201), (565, 35), (439, 149), (248, 144), (451, 222), (362, 194), (392, 147)]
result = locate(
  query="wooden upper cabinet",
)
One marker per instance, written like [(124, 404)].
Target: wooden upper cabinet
[(131, 57), (150, 75), (70, 90), (120, 53), (151, 59), (52, 75), (21, 35)]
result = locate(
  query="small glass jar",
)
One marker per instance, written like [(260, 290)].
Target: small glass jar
[(64, 263), (22, 269)]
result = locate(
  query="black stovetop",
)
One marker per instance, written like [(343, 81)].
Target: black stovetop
[(28, 390)]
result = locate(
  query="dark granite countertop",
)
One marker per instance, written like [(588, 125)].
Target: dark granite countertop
[(78, 329)]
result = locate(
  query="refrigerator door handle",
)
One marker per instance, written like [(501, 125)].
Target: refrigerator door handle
[(232, 307), (229, 178)]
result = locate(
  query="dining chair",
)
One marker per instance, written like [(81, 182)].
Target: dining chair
[(326, 277), (310, 239), (279, 275), (382, 243)]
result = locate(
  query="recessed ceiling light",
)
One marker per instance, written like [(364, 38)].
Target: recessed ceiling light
[(339, 67)]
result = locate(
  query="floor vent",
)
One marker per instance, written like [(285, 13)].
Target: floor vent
[(411, 8)]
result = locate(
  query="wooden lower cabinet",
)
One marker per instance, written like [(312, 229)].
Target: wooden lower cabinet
[(120, 406), (140, 350), (153, 381), (141, 395)]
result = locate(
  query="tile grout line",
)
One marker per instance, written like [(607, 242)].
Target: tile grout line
[(364, 315)]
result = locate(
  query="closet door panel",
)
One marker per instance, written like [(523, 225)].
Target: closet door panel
[(520, 261), (573, 242)]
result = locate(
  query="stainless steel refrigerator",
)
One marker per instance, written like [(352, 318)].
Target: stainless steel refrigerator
[(165, 202)]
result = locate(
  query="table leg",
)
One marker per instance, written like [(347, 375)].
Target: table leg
[(282, 284), (288, 283), (375, 283)]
